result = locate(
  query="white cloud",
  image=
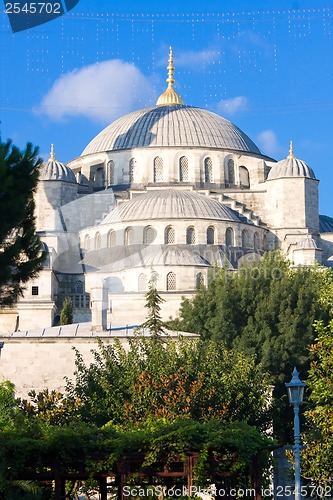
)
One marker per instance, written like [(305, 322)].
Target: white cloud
[(268, 142), (102, 91), (233, 105), (192, 59)]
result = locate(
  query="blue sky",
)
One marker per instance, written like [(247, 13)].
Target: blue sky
[(265, 65)]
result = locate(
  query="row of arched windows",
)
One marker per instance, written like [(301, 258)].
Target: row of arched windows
[(171, 281), (149, 235), (183, 173)]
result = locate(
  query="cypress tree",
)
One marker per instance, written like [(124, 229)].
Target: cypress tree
[(66, 315), (21, 254), (153, 300)]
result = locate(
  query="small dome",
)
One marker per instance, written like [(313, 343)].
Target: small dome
[(307, 243), (291, 167), (53, 170), (170, 204), (84, 180)]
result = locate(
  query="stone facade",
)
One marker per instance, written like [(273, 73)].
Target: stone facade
[(172, 188)]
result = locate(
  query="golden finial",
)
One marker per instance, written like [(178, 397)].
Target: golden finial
[(52, 157), (291, 151), (170, 96), (170, 80)]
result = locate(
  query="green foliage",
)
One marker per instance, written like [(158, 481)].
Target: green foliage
[(7, 403), (222, 447), (266, 309), (182, 378), (21, 254), (66, 315), (154, 321), (317, 457), (51, 407)]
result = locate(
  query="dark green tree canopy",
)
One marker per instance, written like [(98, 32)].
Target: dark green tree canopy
[(266, 309), (21, 254)]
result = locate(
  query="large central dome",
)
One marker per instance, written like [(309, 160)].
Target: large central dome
[(171, 126)]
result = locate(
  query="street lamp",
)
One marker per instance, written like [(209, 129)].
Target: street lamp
[(295, 390)]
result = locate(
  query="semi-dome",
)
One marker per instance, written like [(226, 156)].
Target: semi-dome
[(132, 256), (170, 204), (54, 170), (171, 125), (291, 167)]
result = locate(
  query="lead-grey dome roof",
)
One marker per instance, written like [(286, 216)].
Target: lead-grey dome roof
[(291, 167), (171, 126), (54, 170), (131, 256), (325, 224), (307, 243), (170, 204)]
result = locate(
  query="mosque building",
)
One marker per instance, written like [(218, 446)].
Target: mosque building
[(170, 188)]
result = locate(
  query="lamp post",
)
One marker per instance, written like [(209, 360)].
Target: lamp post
[(295, 390)]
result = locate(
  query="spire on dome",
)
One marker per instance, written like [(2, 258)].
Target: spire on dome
[(170, 96), (291, 151), (52, 157)]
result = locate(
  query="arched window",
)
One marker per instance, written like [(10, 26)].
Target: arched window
[(190, 236), (99, 178), (210, 235), (79, 288), (87, 242), (97, 241), (183, 169), (245, 242), (169, 235), (231, 171), (171, 281), (158, 169), (111, 238), (111, 177), (142, 283), (244, 177), (129, 236), (208, 170), (229, 237), (256, 241), (265, 243), (131, 169), (200, 280), (148, 235)]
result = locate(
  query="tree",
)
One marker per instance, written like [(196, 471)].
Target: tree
[(7, 403), (317, 456), (21, 254), (66, 315), (266, 309), (187, 379), (154, 321)]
